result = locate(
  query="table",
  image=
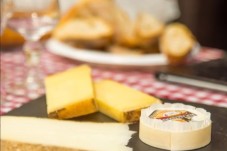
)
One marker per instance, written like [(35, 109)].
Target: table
[(12, 63)]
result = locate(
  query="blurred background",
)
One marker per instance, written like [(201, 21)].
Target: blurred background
[(207, 19)]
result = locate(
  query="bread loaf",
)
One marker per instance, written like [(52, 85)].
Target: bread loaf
[(148, 29), (87, 24), (177, 42), (85, 32), (101, 24)]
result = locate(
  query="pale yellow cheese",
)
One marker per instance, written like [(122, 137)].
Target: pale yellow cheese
[(120, 102), (42, 134), (70, 93)]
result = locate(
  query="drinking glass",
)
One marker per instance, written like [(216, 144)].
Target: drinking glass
[(5, 13), (32, 19)]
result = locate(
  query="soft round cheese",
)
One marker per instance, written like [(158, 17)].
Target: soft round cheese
[(175, 126)]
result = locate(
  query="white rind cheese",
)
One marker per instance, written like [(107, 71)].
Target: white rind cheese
[(175, 126)]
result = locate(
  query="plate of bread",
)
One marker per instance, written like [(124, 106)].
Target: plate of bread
[(99, 31)]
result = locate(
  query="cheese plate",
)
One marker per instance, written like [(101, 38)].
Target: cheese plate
[(37, 108)]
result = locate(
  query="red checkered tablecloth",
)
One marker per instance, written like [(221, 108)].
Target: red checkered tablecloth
[(12, 64)]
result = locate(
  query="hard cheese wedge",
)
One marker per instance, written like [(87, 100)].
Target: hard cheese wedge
[(121, 102), (40, 134), (70, 93)]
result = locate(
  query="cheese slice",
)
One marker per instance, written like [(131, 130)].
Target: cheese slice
[(120, 102), (70, 93), (175, 126), (39, 134)]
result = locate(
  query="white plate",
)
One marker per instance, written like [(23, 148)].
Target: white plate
[(92, 56)]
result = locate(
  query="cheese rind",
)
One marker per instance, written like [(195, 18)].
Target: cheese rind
[(154, 137), (12, 146), (174, 140), (191, 139), (120, 102), (175, 126), (70, 93), (75, 110)]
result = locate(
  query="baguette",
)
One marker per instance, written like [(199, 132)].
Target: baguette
[(125, 30), (177, 42), (87, 24), (103, 25), (148, 26), (148, 29), (85, 31)]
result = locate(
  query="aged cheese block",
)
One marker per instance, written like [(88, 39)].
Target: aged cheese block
[(120, 102), (42, 134), (70, 93), (175, 126)]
